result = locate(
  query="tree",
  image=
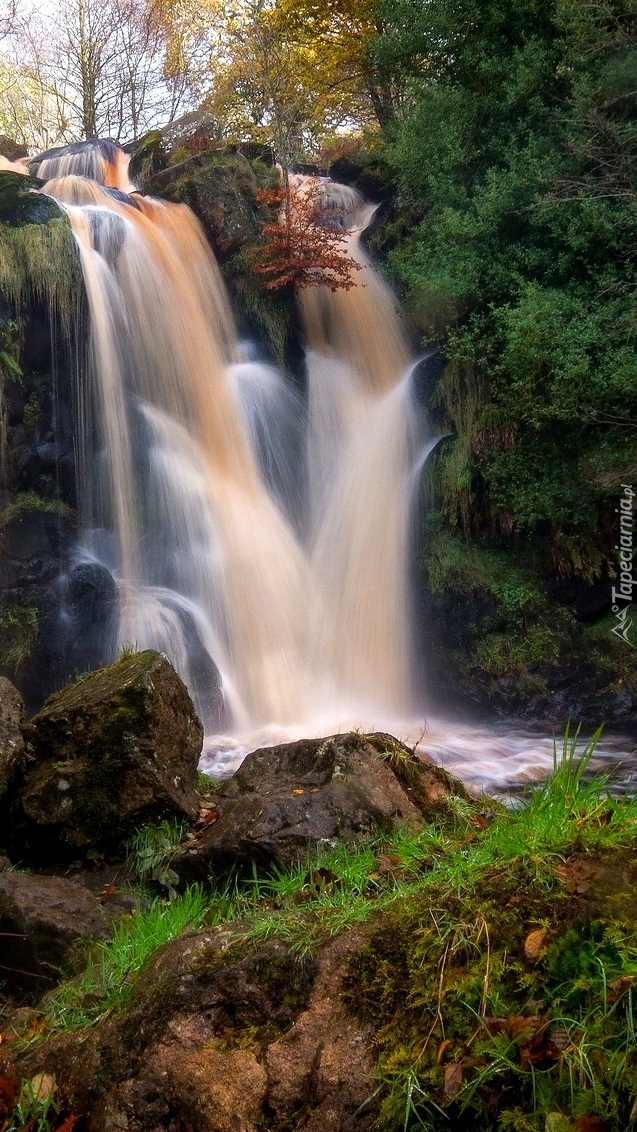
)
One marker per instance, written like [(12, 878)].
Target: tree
[(29, 113), (7, 17), (277, 71), (93, 68), (515, 152), (304, 247)]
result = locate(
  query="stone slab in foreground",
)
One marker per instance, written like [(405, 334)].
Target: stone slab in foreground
[(45, 923)]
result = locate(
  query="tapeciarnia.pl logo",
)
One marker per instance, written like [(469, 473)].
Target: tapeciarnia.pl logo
[(622, 592)]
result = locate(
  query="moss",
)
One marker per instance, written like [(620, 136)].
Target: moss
[(247, 1037), (148, 156), (40, 261), (611, 657), (10, 371), (472, 1024), (114, 679), (28, 501), (519, 625), (21, 203), (19, 627), (270, 314)]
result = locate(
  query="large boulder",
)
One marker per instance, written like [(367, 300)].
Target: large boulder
[(45, 924), (221, 1035), (11, 738), (286, 800), (115, 749), (221, 189)]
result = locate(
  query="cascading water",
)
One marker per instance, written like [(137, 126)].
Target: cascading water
[(258, 536), (199, 478)]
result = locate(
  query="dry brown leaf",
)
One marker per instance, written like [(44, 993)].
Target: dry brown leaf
[(8, 1094), (442, 1049), (454, 1077), (619, 986), (43, 1086), (67, 1125), (535, 944), (107, 893)]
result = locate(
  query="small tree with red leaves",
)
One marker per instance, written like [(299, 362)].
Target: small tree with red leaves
[(305, 246)]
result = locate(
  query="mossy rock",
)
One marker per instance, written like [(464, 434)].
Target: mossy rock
[(221, 190), (111, 751), (21, 202), (287, 801), (11, 149)]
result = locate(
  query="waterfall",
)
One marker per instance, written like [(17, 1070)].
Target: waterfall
[(258, 533)]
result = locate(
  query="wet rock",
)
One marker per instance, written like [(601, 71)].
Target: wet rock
[(224, 1036), (369, 174), (78, 629), (20, 202), (11, 739), (314, 793), (326, 1063), (35, 533), (45, 924), (115, 749), (189, 135), (221, 190)]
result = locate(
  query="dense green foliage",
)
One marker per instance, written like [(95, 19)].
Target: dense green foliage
[(514, 151)]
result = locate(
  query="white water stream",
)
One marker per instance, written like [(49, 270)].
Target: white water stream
[(250, 527)]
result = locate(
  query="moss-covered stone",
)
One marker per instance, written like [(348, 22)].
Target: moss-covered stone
[(109, 752), (188, 164), (21, 203), (503, 630), (287, 801), (487, 1002)]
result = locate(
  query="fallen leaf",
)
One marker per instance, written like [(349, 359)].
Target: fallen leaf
[(523, 1025), (206, 817), (324, 878), (576, 876), (43, 1086), (387, 863), (495, 1025), (442, 1049), (591, 1124), (557, 1042), (8, 1094), (454, 1077), (535, 944), (298, 791), (68, 1124), (107, 893), (619, 986)]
